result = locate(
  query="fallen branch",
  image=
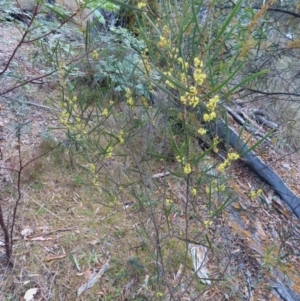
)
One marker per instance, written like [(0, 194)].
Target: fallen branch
[(246, 123), (160, 175), (93, 279), (259, 115)]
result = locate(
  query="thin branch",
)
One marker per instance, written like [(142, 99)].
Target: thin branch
[(280, 10), (20, 43), (31, 103), (272, 93)]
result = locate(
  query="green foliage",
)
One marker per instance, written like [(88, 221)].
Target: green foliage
[(120, 62)]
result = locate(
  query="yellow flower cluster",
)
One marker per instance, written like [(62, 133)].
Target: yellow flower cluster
[(163, 42), (211, 106), (166, 31), (194, 191), (209, 117), (207, 224), (144, 102), (92, 168), (190, 98), (142, 4), (254, 194), (120, 137), (169, 202), (129, 98), (179, 159), (95, 55), (109, 153), (199, 76), (230, 158), (198, 63), (169, 73), (215, 144), (64, 119), (233, 156), (105, 113), (202, 131), (187, 168), (183, 78)]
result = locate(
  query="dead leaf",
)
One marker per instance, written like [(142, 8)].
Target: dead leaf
[(29, 295), (160, 175), (87, 274), (41, 238), (200, 259), (50, 258), (27, 232)]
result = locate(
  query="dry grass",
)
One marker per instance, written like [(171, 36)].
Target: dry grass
[(67, 219)]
